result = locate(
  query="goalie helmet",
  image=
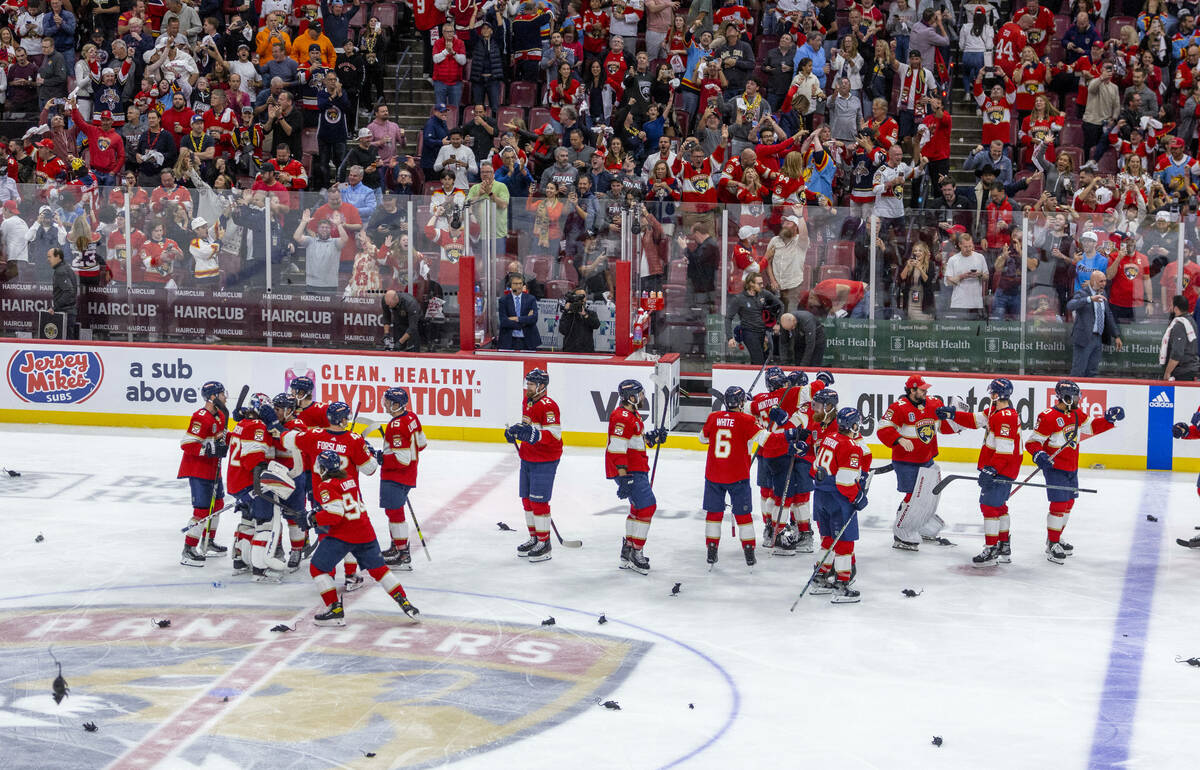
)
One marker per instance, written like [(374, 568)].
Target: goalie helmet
[(1067, 392), (775, 378), (338, 413), (259, 403), (276, 483)]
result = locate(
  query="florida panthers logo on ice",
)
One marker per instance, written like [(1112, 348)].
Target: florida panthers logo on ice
[(54, 376), (464, 686)]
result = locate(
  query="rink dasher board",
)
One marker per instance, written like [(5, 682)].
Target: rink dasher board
[(1142, 441), (457, 397)]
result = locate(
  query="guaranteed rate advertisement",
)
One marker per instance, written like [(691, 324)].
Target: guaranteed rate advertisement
[(149, 386)]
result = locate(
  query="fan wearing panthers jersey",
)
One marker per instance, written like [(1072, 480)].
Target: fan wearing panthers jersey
[(203, 446), (347, 531), (910, 427), (625, 462), (250, 448), (403, 440), (1054, 446), (841, 468), (356, 457), (1189, 431), (540, 449), (730, 434), (288, 455), (999, 463)]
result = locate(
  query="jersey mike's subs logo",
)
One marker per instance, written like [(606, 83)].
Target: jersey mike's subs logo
[(54, 376)]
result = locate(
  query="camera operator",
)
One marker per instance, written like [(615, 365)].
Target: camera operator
[(577, 323), (401, 314)]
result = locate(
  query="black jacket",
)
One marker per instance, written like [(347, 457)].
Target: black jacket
[(403, 318), (487, 60), (748, 311), (66, 289), (577, 331)]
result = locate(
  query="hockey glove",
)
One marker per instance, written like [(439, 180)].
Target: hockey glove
[(271, 420), (1043, 461), (624, 486), (526, 433), (777, 416), (239, 414), (860, 501), (820, 474), (797, 449), (510, 434), (987, 471), (797, 379), (1196, 419), (825, 377), (208, 448), (654, 437), (379, 456), (945, 412), (1115, 414), (1180, 430), (221, 447), (389, 343)]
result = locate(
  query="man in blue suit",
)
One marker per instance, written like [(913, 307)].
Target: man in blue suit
[(1093, 322), (518, 318)]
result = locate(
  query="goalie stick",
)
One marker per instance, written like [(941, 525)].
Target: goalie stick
[(836, 540), (954, 477)]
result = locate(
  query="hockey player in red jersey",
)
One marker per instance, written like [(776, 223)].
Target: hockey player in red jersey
[(403, 441), (1054, 446), (999, 463), (841, 468), (730, 434), (910, 427), (250, 449), (625, 462), (774, 409), (1183, 430), (540, 448), (311, 413), (342, 518), (356, 456), (203, 446), (283, 441)]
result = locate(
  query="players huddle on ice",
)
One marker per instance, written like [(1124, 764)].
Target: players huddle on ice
[(290, 460)]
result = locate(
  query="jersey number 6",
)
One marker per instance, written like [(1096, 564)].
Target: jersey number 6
[(722, 446)]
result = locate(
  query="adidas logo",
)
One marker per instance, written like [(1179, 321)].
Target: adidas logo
[(1162, 399)]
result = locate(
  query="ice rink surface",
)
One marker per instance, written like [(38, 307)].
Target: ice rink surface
[(1029, 665)]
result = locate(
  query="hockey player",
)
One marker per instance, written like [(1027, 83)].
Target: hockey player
[(773, 410), (796, 504), (1183, 430), (910, 427), (286, 453), (203, 447), (343, 519), (1054, 446), (999, 463), (250, 449), (356, 457), (625, 462), (540, 448), (311, 413), (730, 434), (824, 411), (404, 441), (841, 468)]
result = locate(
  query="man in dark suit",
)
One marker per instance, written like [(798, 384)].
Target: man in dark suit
[(518, 318), (1094, 322)]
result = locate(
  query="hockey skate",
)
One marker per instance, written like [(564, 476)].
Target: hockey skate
[(293, 562), (334, 615), (935, 541), (240, 567), (1191, 543), (904, 545), (266, 576), (1004, 552), (822, 584), (354, 582), (524, 548), (625, 549), (748, 551), (398, 559), (1067, 547), (843, 593), (768, 538), (540, 552), (636, 561), (408, 608), (785, 542), (712, 555), (988, 557), (1056, 553), (191, 557), (804, 543), (215, 550)]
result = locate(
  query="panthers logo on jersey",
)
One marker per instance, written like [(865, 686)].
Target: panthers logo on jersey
[(1071, 436), (454, 253), (1131, 270), (701, 183), (997, 114), (925, 432)]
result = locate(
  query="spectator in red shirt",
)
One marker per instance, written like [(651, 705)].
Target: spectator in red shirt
[(449, 58), (106, 148), (1128, 277), (935, 139)]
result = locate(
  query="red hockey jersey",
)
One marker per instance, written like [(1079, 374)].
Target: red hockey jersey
[(342, 510), (626, 446), (1061, 432), (918, 424), (544, 415), (730, 436), (1002, 440), (404, 440), (203, 425)]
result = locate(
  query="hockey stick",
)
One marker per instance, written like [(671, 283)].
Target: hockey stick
[(947, 479), (561, 541), (206, 538), (661, 423), (1034, 472), (836, 540), (417, 525)]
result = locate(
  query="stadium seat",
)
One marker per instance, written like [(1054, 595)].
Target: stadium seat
[(539, 266), (1108, 163), (1076, 154), (522, 93), (677, 271), (386, 13), (833, 271), (557, 289), (452, 115), (569, 271), (506, 115), (308, 141), (1071, 134), (766, 43), (538, 117), (840, 253)]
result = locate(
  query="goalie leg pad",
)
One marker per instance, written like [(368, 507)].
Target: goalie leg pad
[(258, 548), (917, 515)]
